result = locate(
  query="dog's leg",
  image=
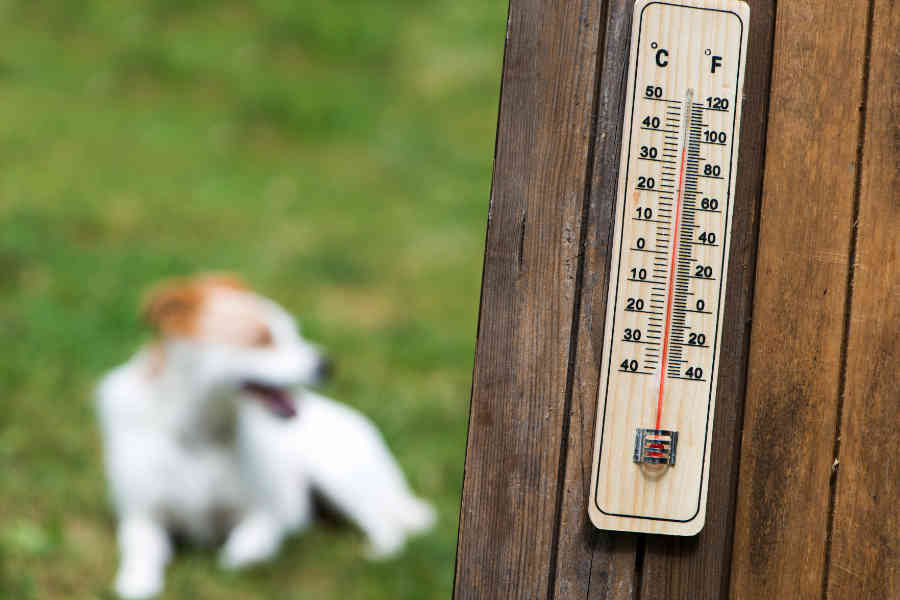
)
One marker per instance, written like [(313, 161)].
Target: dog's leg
[(370, 513), (144, 550), (385, 537), (292, 502), (413, 514), (256, 538)]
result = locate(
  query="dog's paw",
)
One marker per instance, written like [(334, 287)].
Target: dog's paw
[(385, 543), (239, 555), (138, 584), (254, 540), (418, 516)]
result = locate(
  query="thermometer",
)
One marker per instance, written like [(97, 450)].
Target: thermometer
[(669, 256)]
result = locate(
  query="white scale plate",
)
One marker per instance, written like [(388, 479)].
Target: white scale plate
[(669, 258)]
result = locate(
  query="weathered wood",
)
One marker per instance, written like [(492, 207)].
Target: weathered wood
[(587, 558), (865, 550), (508, 518), (590, 563), (524, 530), (699, 568), (800, 293)]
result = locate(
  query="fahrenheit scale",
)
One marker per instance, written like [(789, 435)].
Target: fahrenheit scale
[(669, 257)]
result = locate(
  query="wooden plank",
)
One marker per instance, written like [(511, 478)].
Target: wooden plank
[(865, 551), (698, 568), (591, 563), (510, 488), (800, 293)]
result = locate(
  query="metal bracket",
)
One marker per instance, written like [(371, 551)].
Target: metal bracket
[(655, 446)]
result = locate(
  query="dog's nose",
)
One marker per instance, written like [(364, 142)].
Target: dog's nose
[(325, 369)]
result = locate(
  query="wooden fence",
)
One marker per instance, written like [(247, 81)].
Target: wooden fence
[(805, 469)]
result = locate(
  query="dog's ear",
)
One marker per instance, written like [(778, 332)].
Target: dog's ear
[(171, 308)]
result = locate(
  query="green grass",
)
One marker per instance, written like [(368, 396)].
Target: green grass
[(337, 155)]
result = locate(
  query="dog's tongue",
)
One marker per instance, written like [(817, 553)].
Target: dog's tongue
[(277, 399)]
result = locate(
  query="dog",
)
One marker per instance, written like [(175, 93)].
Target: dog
[(211, 433)]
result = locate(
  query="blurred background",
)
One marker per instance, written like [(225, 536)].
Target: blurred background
[(336, 154)]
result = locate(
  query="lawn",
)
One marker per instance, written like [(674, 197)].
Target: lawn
[(337, 155)]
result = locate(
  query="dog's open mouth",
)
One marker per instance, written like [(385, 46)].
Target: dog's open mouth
[(279, 400)]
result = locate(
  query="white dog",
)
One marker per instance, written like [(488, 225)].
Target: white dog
[(209, 435)]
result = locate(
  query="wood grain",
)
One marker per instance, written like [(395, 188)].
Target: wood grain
[(524, 531), (591, 563), (699, 568), (865, 551), (508, 520), (800, 293)]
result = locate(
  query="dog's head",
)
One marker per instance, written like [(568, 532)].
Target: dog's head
[(216, 333)]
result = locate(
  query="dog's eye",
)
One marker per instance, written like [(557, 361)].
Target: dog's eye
[(262, 337)]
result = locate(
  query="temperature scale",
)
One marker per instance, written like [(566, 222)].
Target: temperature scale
[(669, 257)]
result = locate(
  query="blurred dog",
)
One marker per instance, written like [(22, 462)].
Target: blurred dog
[(210, 434)]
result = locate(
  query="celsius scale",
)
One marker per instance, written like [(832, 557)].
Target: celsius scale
[(674, 203)]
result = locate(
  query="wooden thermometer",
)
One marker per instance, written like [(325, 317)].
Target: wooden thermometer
[(669, 258)]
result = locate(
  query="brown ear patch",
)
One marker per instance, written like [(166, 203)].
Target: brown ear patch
[(172, 307)]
